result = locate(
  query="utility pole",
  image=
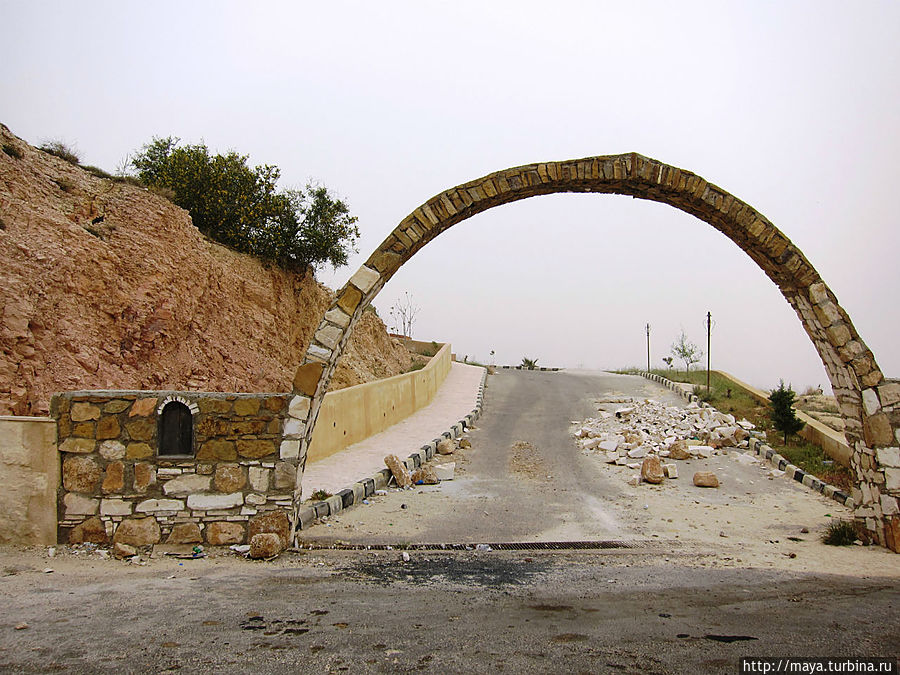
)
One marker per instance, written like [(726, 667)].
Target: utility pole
[(708, 343), (648, 347)]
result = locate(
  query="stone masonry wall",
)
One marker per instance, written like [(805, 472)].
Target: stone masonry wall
[(115, 487)]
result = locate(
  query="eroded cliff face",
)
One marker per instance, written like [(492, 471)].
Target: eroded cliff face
[(104, 285)]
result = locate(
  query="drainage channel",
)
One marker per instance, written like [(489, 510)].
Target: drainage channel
[(494, 546)]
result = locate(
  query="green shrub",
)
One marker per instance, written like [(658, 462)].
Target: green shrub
[(840, 533), (61, 150), (97, 171), (241, 207), (320, 495)]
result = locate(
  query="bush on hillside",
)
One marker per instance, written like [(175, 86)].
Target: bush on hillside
[(241, 207)]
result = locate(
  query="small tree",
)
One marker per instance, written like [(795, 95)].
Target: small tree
[(403, 315), (668, 361), (529, 364), (685, 350), (781, 411)]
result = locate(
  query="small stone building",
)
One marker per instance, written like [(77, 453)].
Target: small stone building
[(147, 467)]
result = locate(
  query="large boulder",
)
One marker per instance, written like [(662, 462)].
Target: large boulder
[(651, 470)]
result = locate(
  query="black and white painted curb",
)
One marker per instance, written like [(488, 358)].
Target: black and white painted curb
[(762, 450), (362, 489)]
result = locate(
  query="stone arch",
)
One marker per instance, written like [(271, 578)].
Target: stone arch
[(870, 405)]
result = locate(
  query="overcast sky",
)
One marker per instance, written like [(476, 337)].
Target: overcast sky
[(793, 107)]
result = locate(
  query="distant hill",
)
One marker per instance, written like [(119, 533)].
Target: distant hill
[(104, 285)]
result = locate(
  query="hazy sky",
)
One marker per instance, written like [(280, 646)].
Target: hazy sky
[(793, 107)]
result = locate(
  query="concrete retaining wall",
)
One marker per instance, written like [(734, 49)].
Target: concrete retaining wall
[(353, 414), (29, 475)]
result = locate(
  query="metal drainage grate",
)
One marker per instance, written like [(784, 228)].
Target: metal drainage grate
[(502, 546)]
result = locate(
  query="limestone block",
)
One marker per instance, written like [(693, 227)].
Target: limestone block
[(138, 451), (229, 478), (116, 406), (141, 430), (143, 407), (889, 506), (108, 427), (299, 407), (338, 316), (114, 478), (329, 336), (444, 447), (651, 470), (155, 505), (398, 469), (80, 474), (255, 449), (877, 430), (217, 449), (137, 532), (91, 530), (255, 499), (275, 522), (426, 474), (122, 551), (219, 406), (870, 401), (706, 479), (186, 484), (185, 533), (78, 445), (144, 476), (289, 450), (365, 278), (259, 479), (888, 457), (246, 406), (205, 502), (112, 450), (889, 393), (892, 480), (115, 507), (671, 470), (818, 293), (285, 475), (265, 545), (222, 533), (82, 412)]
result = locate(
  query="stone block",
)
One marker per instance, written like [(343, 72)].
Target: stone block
[(185, 533), (299, 407), (877, 430), (187, 483), (255, 499), (78, 445), (217, 406), (204, 502), (108, 427), (259, 479), (349, 300), (141, 430), (399, 471), (265, 545), (114, 478), (889, 506), (143, 407), (91, 530), (892, 480), (289, 450), (138, 451), (116, 406), (285, 475), (364, 279), (112, 450), (888, 457), (84, 430), (217, 449), (329, 336), (337, 316), (82, 412), (706, 479), (80, 474), (229, 478), (156, 505), (255, 449), (651, 470), (870, 401), (137, 532), (144, 476), (275, 522), (247, 406), (115, 507), (222, 533)]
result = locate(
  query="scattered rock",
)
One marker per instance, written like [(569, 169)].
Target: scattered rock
[(652, 471), (706, 479), (465, 443), (445, 471), (273, 522), (671, 470), (446, 447), (121, 551), (265, 545), (399, 470), (635, 480), (426, 475)]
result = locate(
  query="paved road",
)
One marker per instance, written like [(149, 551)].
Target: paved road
[(651, 609), (525, 480)]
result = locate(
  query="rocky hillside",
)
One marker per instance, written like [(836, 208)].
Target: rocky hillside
[(104, 285)]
